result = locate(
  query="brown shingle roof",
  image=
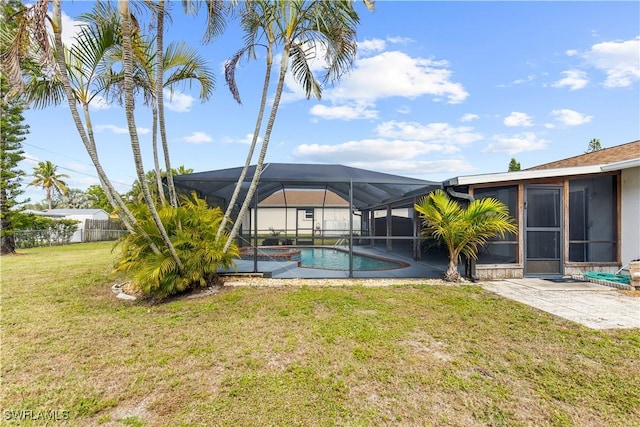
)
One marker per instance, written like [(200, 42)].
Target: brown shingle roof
[(304, 198), (615, 154)]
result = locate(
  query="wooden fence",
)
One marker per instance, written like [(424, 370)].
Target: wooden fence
[(96, 230)]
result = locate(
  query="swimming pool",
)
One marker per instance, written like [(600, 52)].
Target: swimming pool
[(323, 258)]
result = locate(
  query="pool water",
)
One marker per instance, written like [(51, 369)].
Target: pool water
[(333, 259)]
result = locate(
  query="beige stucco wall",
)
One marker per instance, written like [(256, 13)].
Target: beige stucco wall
[(334, 221)]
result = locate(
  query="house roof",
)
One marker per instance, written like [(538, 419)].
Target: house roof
[(370, 188), (75, 211), (604, 156), (608, 159), (67, 212), (309, 198)]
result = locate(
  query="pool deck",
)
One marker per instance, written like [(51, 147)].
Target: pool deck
[(290, 269)]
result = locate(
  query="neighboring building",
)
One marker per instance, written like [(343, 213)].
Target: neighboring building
[(79, 215), (301, 214), (574, 215)]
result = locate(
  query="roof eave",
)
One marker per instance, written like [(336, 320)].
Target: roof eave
[(522, 175), (624, 164)]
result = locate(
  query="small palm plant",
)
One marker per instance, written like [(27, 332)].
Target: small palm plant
[(463, 231), (192, 227)]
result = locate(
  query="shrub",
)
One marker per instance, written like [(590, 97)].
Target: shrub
[(192, 228), (34, 230)]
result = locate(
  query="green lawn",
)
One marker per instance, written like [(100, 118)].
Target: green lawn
[(412, 355)]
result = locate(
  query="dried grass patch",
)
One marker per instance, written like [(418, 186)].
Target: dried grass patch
[(255, 354)]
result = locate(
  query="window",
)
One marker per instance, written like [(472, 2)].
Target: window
[(593, 219), (499, 250), (308, 214)]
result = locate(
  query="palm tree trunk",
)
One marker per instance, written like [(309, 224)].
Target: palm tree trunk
[(284, 64), (156, 161), (173, 197), (256, 134), (123, 6), (127, 217), (110, 192), (48, 192), (452, 274)]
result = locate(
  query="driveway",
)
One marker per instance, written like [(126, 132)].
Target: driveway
[(592, 305)]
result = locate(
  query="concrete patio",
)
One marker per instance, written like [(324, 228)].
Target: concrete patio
[(592, 305)]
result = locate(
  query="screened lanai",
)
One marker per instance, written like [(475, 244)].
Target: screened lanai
[(371, 198)]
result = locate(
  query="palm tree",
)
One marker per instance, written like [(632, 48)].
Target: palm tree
[(181, 65), (463, 231), (76, 74), (46, 176), (182, 170), (300, 28), (128, 84)]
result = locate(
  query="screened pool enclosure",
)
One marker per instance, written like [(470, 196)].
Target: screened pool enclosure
[(302, 205)]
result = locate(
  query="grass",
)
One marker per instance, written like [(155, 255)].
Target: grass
[(412, 355)]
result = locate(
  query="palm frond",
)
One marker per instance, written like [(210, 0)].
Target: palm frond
[(301, 69)]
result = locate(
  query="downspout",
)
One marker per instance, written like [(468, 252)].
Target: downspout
[(471, 263), (464, 196)]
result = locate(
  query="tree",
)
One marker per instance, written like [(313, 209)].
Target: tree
[(463, 231), (98, 199), (74, 199), (193, 224), (303, 29), (12, 133), (46, 176), (58, 73), (128, 84), (514, 165), (181, 170), (181, 65), (594, 145)]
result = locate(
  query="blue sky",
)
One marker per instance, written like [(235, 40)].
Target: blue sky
[(439, 89)]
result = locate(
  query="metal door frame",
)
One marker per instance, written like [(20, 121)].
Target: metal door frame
[(559, 230)]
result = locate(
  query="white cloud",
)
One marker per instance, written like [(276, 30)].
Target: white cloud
[(29, 161), (70, 29), (418, 167), (120, 130), (517, 119), (99, 103), (396, 74), (197, 138), (469, 117), (399, 40), (405, 109), (248, 138), (571, 118), (526, 141), (177, 101), (343, 112), (368, 150), (571, 52), (529, 78), (573, 79), (387, 75), (437, 132), (371, 46), (619, 60)]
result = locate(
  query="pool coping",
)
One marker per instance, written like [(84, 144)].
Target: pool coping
[(282, 270)]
